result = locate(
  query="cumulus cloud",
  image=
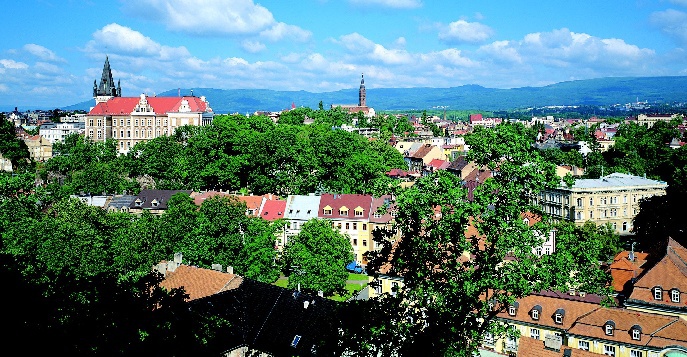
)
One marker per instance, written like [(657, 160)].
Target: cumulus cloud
[(396, 4), (281, 31), (42, 53), (673, 23), (204, 17), (462, 31), (124, 40), (12, 64), (253, 46)]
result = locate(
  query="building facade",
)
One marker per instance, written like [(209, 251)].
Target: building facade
[(610, 199), (130, 120)]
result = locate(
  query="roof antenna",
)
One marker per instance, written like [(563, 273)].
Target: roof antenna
[(191, 92)]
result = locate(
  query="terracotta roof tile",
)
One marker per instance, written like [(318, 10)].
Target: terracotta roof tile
[(350, 201), (273, 210), (669, 273), (548, 306), (198, 282), (531, 347), (593, 325)]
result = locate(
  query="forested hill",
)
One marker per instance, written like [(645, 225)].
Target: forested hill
[(602, 91)]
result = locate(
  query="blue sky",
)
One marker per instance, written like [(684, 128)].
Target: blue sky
[(54, 49)]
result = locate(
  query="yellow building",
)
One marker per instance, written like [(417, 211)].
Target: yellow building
[(610, 199), (350, 214)]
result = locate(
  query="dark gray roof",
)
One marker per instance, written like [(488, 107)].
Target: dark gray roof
[(119, 201), (155, 199)]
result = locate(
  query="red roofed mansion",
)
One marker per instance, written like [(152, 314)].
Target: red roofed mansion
[(130, 120)]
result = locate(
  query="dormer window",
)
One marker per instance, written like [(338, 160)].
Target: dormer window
[(609, 326), (327, 211), (636, 332), (513, 309), (536, 311), (154, 203), (658, 293), (558, 316), (359, 211), (675, 295), (138, 202), (343, 212)]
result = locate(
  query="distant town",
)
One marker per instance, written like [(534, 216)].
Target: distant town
[(345, 230)]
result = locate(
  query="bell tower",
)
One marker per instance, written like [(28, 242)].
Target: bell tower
[(362, 101)]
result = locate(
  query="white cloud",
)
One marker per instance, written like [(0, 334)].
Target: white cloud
[(42, 53), (216, 17), (116, 38), (501, 51), (12, 64), (462, 31), (673, 23), (679, 2), (396, 4), (355, 42), (400, 42), (281, 30), (253, 46)]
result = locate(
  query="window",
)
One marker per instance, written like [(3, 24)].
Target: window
[(512, 310), (128, 133), (355, 242), (355, 226), (136, 122), (624, 226), (609, 350), (359, 213), (511, 343), (343, 212), (327, 212), (635, 353), (636, 334), (583, 345), (534, 333), (579, 215), (547, 250), (675, 295), (609, 327), (658, 293), (538, 251), (591, 201), (558, 318), (624, 199), (535, 314), (579, 202), (364, 242), (348, 225), (364, 226)]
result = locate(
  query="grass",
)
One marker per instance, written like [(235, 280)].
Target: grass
[(351, 288), (353, 276)]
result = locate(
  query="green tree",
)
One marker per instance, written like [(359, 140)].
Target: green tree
[(11, 147), (317, 258), (455, 281)]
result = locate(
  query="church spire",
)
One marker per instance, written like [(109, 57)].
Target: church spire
[(362, 93), (107, 86)]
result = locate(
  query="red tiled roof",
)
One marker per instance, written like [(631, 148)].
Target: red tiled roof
[(252, 202), (531, 347), (273, 210), (198, 282), (593, 325), (438, 164), (669, 273), (200, 197), (573, 311), (623, 270), (161, 105), (350, 201)]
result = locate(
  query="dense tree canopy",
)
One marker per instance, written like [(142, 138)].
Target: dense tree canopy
[(317, 258), (456, 280)]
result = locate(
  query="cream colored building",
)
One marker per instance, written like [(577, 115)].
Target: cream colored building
[(610, 199), (130, 120), (40, 149), (651, 119)]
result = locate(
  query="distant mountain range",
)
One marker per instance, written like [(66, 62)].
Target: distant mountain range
[(602, 91)]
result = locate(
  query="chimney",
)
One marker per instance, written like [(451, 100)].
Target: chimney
[(177, 258), (632, 256), (217, 267), (230, 269), (305, 304), (161, 268)]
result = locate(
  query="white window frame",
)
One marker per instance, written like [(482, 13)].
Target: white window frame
[(609, 350), (535, 314), (534, 333), (511, 310), (658, 293), (583, 345), (558, 318), (635, 353), (675, 295), (636, 334), (608, 329)]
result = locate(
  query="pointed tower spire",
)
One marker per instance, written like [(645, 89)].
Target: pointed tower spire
[(362, 93), (107, 88)]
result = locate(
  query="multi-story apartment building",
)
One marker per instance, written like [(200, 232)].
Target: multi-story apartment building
[(350, 214), (610, 199), (299, 209), (648, 120)]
